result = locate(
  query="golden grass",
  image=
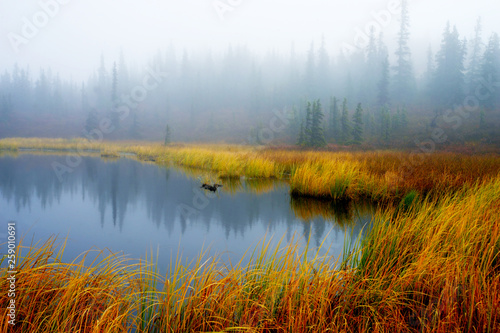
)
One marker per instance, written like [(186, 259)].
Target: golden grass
[(442, 259), (110, 153), (379, 176), (427, 264), (52, 144), (432, 266), (52, 296)]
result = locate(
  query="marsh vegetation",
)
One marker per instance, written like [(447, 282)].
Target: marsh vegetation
[(429, 262)]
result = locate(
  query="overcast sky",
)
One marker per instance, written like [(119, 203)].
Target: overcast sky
[(71, 37)]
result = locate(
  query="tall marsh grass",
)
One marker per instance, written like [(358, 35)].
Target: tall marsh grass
[(53, 296), (378, 176), (429, 263), (431, 268)]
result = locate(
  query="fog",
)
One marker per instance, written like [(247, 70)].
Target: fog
[(79, 31), (233, 58)]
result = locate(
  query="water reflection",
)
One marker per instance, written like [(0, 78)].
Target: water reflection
[(137, 206), (343, 213)]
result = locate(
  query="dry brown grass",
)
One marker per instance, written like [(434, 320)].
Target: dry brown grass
[(432, 266), (428, 264), (378, 176)]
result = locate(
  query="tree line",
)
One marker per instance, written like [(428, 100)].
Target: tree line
[(227, 95), (341, 127)]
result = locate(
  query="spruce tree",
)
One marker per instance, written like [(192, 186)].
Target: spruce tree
[(385, 128), (345, 125), (474, 69), (301, 141), (334, 128), (448, 80), (317, 136), (404, 80), (114, 114), (490, 70), (396, 120), (308, 125), (357, 130)]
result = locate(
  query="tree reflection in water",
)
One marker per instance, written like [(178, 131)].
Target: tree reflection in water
[(130, 198)]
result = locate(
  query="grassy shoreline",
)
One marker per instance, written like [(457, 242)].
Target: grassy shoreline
[(430, 263), (434, 267), (380, 176)]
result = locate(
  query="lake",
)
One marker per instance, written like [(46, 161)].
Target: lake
[(131, 207)]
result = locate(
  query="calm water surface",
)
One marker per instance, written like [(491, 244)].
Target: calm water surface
[(132, 207)]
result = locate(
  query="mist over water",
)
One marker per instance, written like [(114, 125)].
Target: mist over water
[(390, 108)]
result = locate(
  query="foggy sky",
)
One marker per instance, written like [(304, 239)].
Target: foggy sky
[(76, 32)]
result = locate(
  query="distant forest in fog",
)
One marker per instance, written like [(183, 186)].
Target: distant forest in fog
[(235, 95)]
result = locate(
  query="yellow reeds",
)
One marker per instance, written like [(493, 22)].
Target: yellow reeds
[(326, 178), (443, 257), (430, 262), (433, 265), (380, 176), (53, 296)]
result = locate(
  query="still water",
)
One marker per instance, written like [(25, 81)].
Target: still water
[(134, 208)]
